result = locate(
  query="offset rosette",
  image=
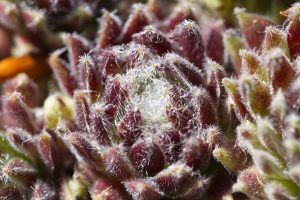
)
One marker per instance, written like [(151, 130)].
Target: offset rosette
[(264, 96)]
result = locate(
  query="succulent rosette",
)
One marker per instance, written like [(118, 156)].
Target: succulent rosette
[(265, 95), (136, 114)]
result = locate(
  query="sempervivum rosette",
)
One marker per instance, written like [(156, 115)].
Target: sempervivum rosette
[(265, 96), (140, 111)]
